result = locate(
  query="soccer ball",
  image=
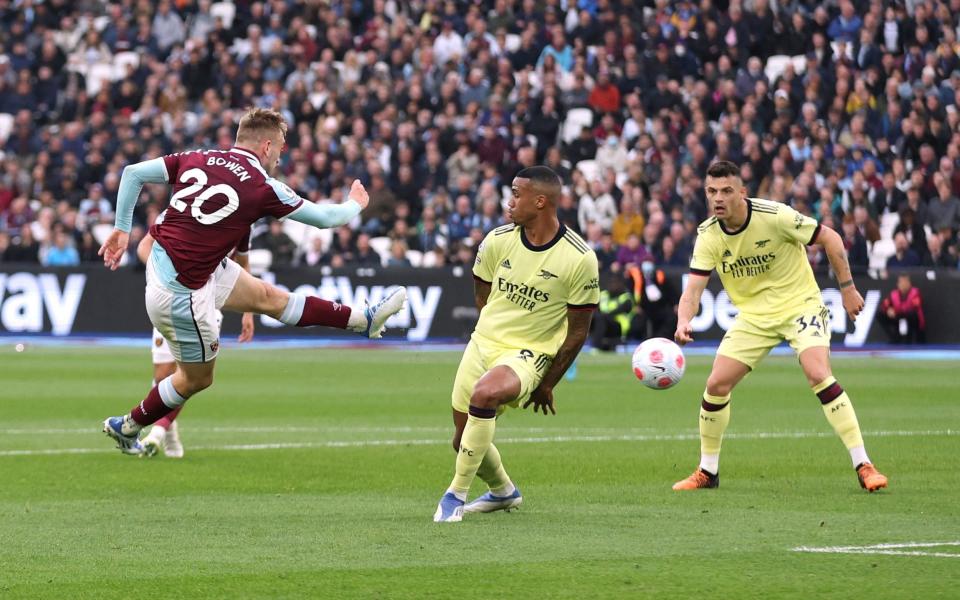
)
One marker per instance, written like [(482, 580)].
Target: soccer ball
[(658, 363)]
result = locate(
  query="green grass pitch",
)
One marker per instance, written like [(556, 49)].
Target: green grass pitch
[(315, 474)]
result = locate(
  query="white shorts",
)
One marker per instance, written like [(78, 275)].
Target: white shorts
[(189, 320), (160, 349)]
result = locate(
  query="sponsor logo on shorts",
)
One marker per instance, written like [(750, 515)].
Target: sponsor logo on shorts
[(214, 346), (158, 342)]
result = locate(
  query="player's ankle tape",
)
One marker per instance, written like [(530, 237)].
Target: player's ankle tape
[(482, 413)]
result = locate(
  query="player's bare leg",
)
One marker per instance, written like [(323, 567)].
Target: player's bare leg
[(499, 385), (838, 409), (714, 418), (253, 295)]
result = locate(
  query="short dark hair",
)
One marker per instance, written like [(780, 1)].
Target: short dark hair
[(723, 168), (544, 178)]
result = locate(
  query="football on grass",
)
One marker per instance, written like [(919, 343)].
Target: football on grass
[(658, 363)]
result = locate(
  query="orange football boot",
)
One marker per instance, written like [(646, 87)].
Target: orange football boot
[(702, 480), (870, 478)]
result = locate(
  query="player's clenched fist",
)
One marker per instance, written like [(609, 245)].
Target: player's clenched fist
[(684, 333), (359, 194), (852, 302)]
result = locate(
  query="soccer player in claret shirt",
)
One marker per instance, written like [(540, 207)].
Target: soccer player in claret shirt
[(757, 248), (218, 195), (165, 434), (536, 285)]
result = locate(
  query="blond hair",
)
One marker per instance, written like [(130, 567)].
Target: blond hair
[(259, 122)]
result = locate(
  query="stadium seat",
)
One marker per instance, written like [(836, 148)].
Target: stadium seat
[(775, 67), (888, 222), (6, 126), (800, 64), (589, 168), (101, 231), (415, 257), (260, 261), (429, 260), (96, 75), (100, 23), (880, 251), (847, 53), (296, 230), (225, 10), (381, 245), (121, 61), (577, 119)]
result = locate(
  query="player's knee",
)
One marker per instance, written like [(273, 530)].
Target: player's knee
[(198, 382), (718, 386), (485, 396)]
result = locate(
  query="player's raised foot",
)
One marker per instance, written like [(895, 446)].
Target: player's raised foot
[(152, 442), (378, 314), (870, 478), (171, 442), (128, 444), (700, 479), (450, 509), (490, 503)]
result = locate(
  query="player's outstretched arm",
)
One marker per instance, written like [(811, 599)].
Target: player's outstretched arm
[(832, 245), (689, 306), (327, 216), (578, 328), (131, 182)]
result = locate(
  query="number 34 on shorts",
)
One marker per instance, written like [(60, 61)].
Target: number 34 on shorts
[(818, 322)]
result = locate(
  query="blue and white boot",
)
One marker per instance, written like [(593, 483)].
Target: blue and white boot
[(450, 509), (378, 314), (128, 444), (490, 503)]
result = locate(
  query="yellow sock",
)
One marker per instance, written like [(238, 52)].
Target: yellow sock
[(476, 440), (839, 412), (491, 471), (714, 417)]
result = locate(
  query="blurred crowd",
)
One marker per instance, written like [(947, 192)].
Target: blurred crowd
[(845, 110)]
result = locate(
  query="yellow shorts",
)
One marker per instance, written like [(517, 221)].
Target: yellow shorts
[(480, 357), (752, 337)]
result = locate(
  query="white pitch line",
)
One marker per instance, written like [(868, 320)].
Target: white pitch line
[(277, 429), (508, 440), (896, 549)]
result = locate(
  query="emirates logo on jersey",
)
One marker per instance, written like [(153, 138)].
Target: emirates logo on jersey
[(747, 266)]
